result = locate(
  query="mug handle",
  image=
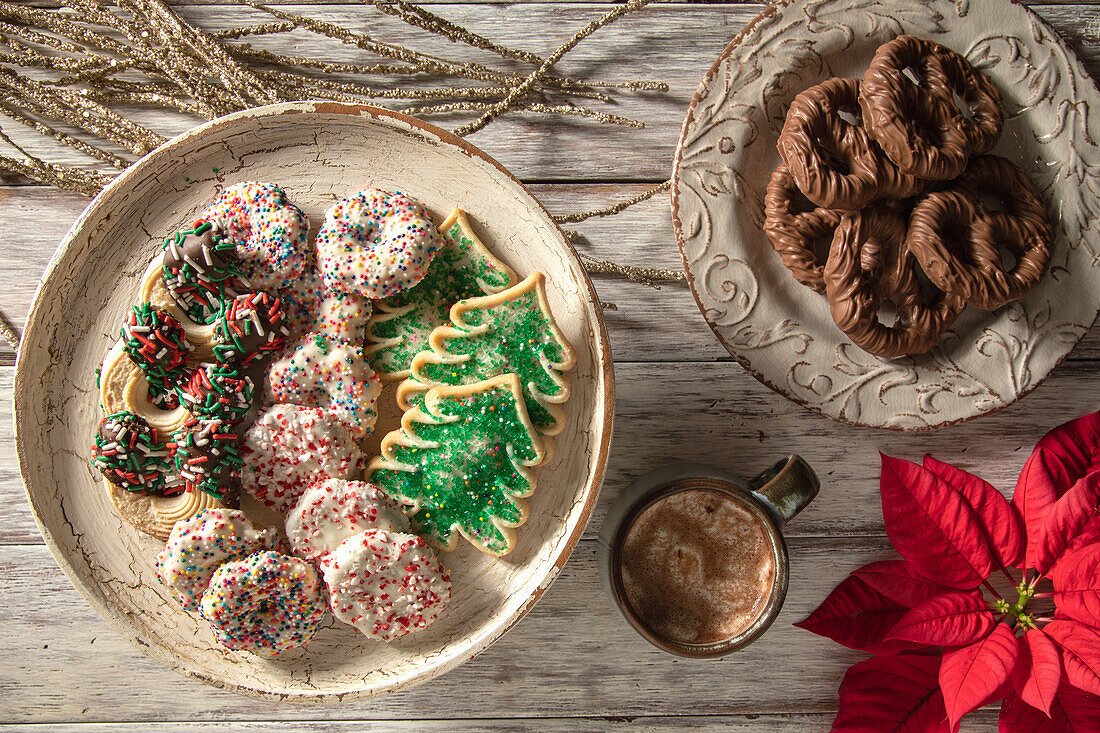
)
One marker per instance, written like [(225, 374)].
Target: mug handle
[(786, 487)]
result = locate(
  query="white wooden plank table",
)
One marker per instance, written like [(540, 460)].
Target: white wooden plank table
[(571, 663)]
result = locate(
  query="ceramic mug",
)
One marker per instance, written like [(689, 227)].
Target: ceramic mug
[(773, 497)]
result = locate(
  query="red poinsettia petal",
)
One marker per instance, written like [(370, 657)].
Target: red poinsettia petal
[(897, 693), (1077, 585), (950, 619), (898, 581), (999, 519), (933, 526), (1080, 646), (1072, 711), (1070, 516), (1062, 457), (1087, 537), (859, 617), (1081, 710), (1038, 670), (971, 674)]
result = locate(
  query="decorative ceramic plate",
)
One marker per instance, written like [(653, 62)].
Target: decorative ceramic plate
[(318, 153), (781, 331)]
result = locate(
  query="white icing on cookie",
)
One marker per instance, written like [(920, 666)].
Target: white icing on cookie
[(376, 243), (288, 448), (385, 584), (343, 317), (332, 510), (198, 545), (322, 371), (268, 231), (265, 603)]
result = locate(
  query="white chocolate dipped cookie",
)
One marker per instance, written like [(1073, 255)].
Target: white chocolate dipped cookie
[(325, 372), (385, 584), (197, 546), (333, 509)]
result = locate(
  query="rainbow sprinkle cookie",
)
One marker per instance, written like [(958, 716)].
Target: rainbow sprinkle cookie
[(207, 458), (200, 271), (198, 545), (265, 603), (128, 454), (332, 510), (288, 448), (343, 317), (251, 327), (385, 584), (376, 243), (268, 231), (157, 343), (322, 371), (218, 391)]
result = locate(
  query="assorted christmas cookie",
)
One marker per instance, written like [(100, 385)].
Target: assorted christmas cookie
[(288, 448), (463, 268), (376, 243), (129, 454), (266, 603), (510, 332), (331, 510), (200, 271), (268, 232), (385, 584), (208, 458), (218, 391), (154, 290), (463, 461), (325, 372), (344, 317), (199, 545), (250, 327)]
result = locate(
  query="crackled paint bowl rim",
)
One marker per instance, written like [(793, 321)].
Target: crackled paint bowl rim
[(689, 118), (90, 590)]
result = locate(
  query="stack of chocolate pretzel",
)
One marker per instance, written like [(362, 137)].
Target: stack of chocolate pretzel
[(886, 178)]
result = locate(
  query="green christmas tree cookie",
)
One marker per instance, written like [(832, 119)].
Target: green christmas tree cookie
[(464, 461), (512, 331), (462, 268)]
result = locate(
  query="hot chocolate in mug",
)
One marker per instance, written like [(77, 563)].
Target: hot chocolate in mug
[(694, 559)]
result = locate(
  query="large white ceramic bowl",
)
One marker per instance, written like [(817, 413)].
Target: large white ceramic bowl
[(318, 153)]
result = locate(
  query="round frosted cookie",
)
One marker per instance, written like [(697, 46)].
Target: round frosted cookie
[(322, 371), (200, 271), (197, 546), (288, 448), (156, 342), (218, 391), (385, 584), (250, 327), (265, 603), (154, 290), (207, 457), (333, 509), (376, 243), (268, 231), (129, 453)]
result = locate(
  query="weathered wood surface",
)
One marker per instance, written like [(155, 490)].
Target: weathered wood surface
[(571, 664)]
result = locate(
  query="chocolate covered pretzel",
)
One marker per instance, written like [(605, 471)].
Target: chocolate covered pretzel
[(869, 264), (958, 239), (908, 98), (796, 229), (834, 160)]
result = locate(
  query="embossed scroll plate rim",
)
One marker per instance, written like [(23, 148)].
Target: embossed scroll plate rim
[(1075, 68), (26, 401)]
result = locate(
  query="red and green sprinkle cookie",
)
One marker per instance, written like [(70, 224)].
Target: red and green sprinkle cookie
[(157, 343), (129, 454), (218, 391), (201, 271), (249, 328), (207, 457)]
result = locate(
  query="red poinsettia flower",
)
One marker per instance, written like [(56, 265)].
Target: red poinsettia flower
[(991, 601)]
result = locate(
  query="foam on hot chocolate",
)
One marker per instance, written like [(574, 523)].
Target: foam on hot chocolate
[(697, 567)]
